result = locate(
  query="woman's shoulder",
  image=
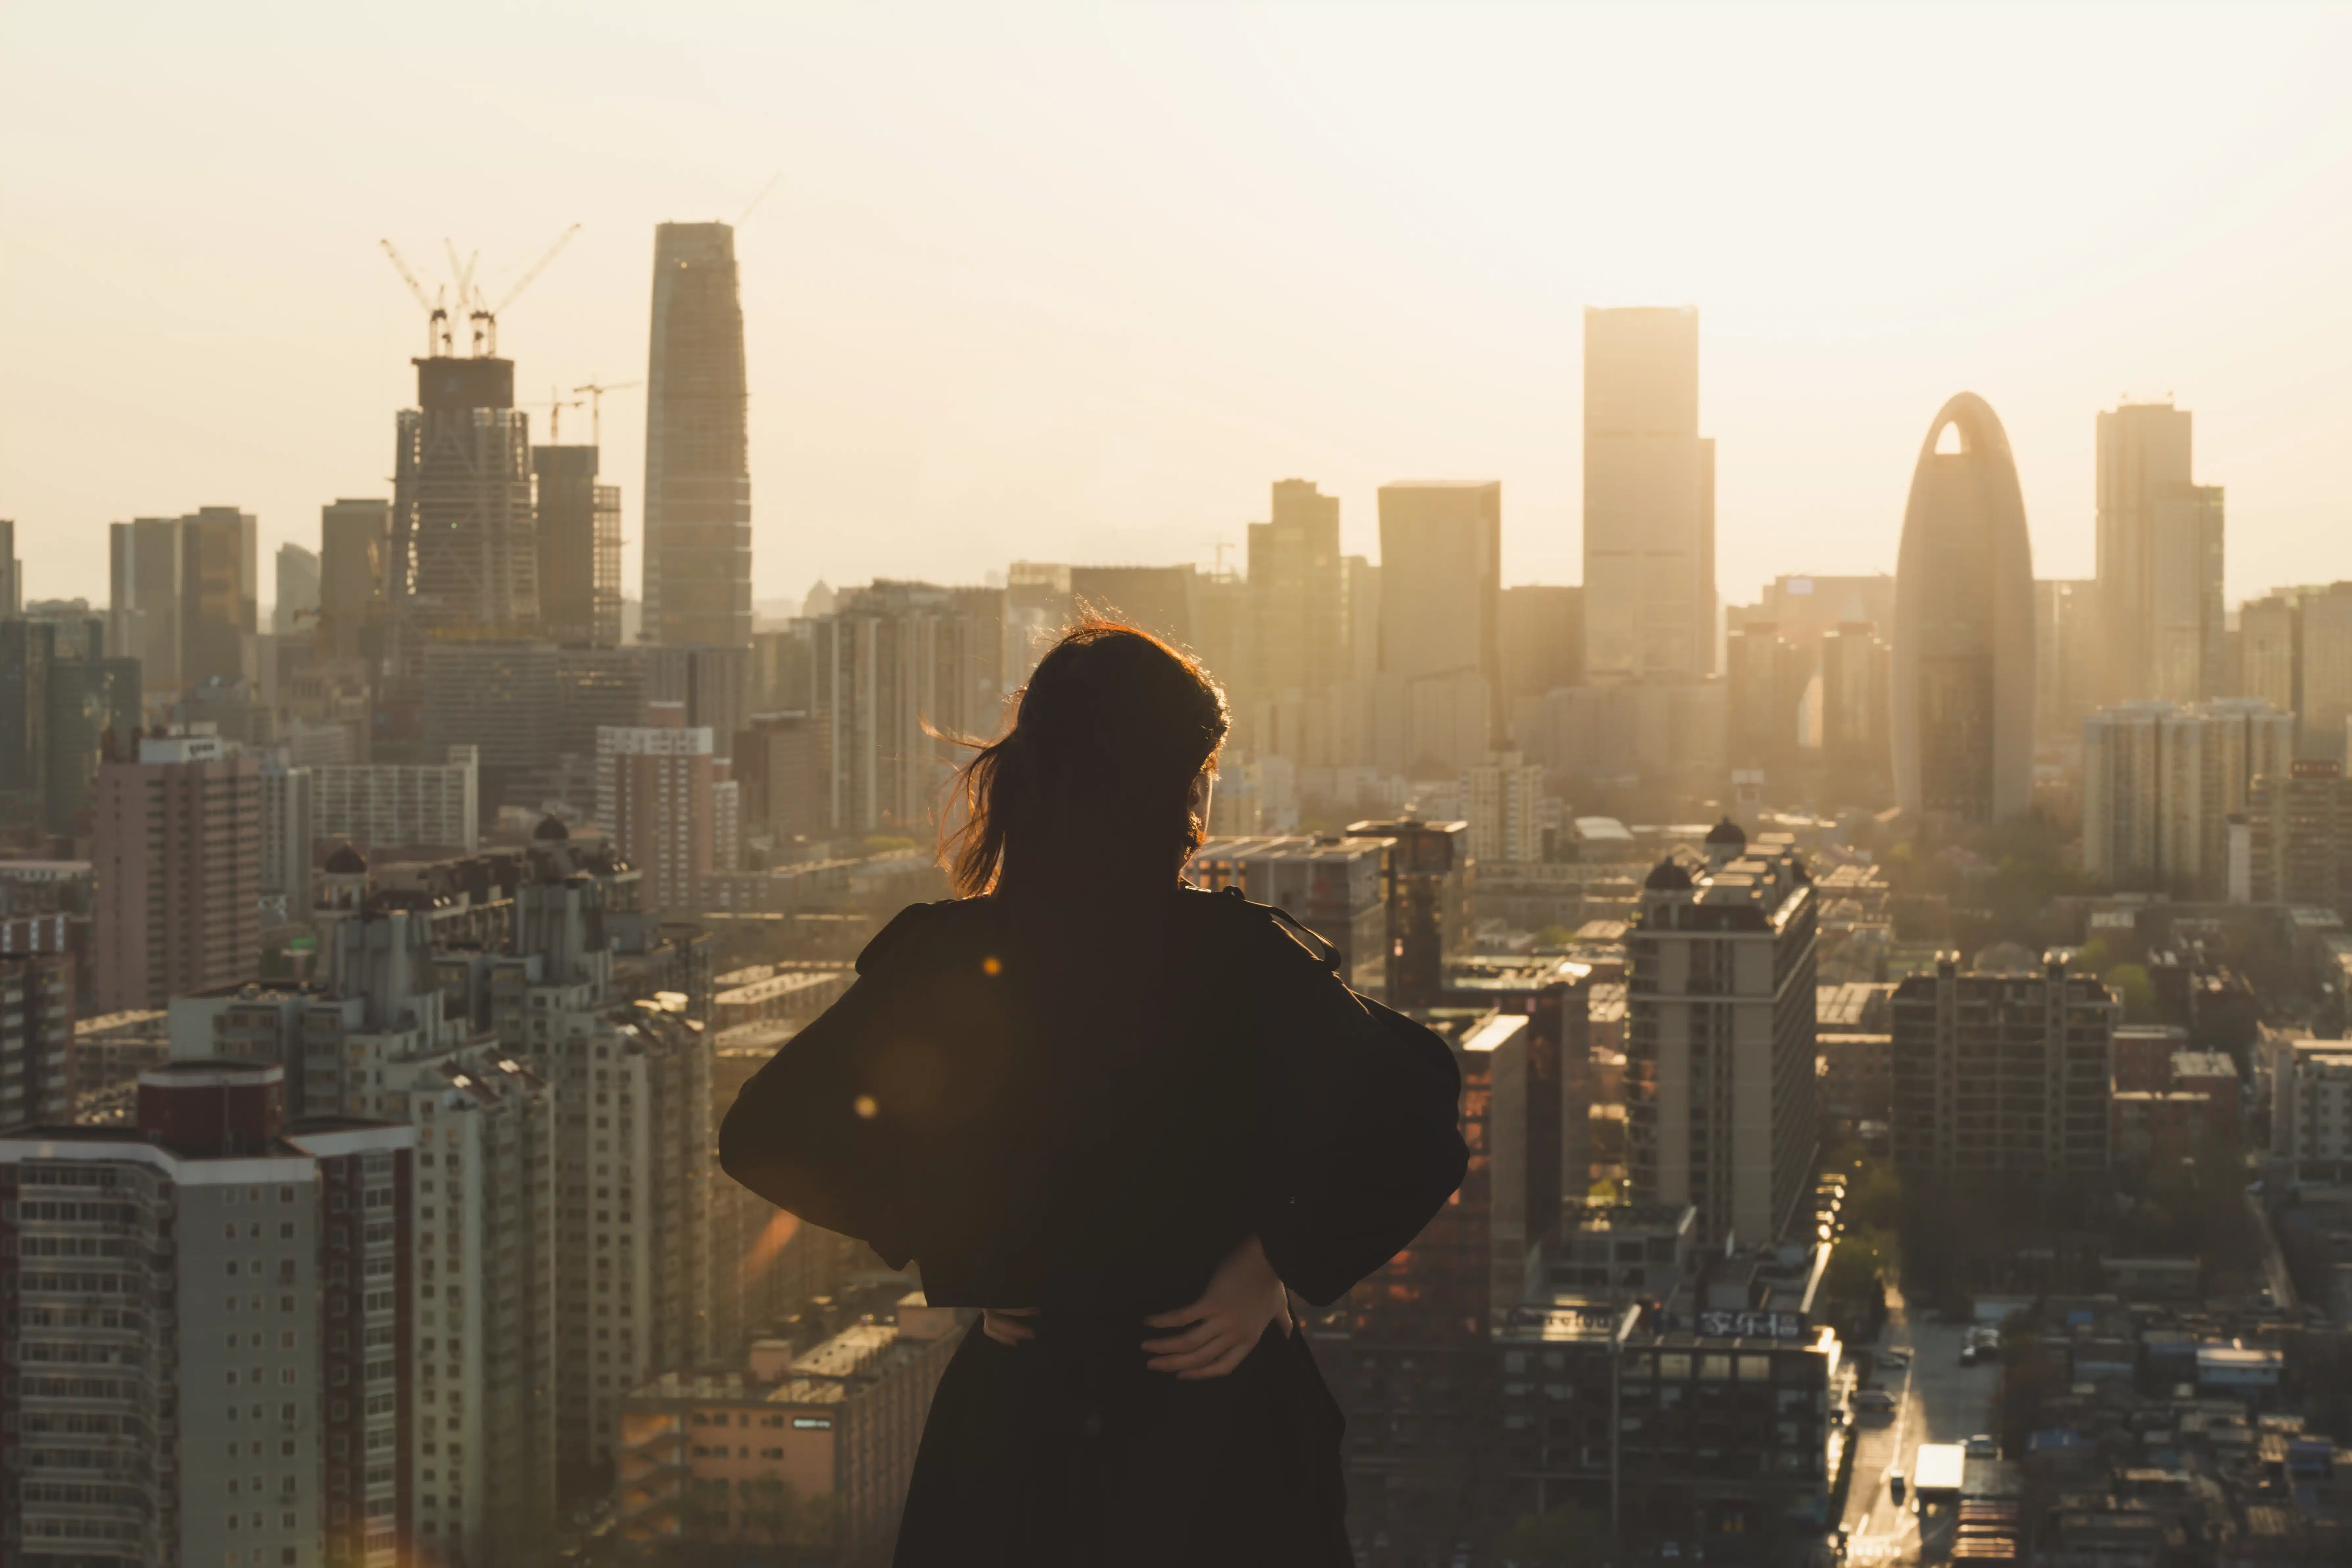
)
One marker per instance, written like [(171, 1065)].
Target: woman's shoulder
[(1265, 931), (919, 930)]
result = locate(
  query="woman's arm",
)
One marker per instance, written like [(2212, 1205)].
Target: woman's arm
[(1363, 1133)]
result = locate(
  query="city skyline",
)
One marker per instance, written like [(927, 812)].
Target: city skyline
[(949, 372)]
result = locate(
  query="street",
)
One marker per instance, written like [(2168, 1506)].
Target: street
[(1939, 1401)]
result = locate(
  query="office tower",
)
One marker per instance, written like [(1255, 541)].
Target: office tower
[(579, 548), (2300, 836), (1441, 616), (387, 806), (2001, 1074), (354, 556), (1766, 680), (1363, 587), (2323, 670), (245, 1278), (178, 854), (59, 694), (1295, 576), (465, 545), (1502, 797), (2066, 661), (36, 1037), (1543, 640), (711, 685), (220, 590), (658, 790), (697, 546), (498, 697), (296, 603), (2270, 652), (226, 706), (2160, 782), (1857, 670), (890, 660), (12, 572), (1157, 598), (779, 768), (1807, 607), (1964, 653), (143, 561), (1649, 500), (27, 652), (2160, 560), (287, 829), (1719, 1052)]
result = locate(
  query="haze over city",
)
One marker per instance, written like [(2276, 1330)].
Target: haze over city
[(1073, 282)]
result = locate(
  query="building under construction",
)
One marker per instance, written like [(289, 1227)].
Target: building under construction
[(698, 581), (579, 549), (465, 539)]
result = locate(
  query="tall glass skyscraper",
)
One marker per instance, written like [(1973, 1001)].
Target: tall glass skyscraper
[(698, 585), (1649, 500), (1964, 628)]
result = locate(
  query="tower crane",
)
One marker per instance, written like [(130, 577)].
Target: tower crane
[(487, 315), (436, 313), (596, 392), (556, 405)]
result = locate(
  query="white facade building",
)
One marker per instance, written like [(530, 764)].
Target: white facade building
[(384, 804), (2160, 782)]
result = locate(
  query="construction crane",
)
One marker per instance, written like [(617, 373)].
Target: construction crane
[(555, 407), (487, 315), (596, 404), (436, 313)]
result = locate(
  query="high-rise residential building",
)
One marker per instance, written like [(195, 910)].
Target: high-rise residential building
[(698, 496), (2161, 550), (1719, 1048), (177, 855), (354, 561), (1964, 635), (1502, 798), (384, 805), (143, 606), (296, 603), (712, 687), (11, 571), (779, 769), (2160, 784), (2067, 660), (1441, 612), (2299, 823), (288, 828), (2323, 670), (59, 695), (1295, 576), (2001, 1074), (1543, 640), (465, 544), (2270, 652), (579, 548), (891, 660), (36, 1037), (220, 594), (1649, 500), (664, 800), (210, 1320)]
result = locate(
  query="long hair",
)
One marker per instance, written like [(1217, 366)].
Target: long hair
[(1087, 788)]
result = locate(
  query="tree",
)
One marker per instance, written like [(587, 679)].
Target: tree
[(2133, 988), (1567, 1536)]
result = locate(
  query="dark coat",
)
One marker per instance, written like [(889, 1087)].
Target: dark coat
[(1083, 1110)]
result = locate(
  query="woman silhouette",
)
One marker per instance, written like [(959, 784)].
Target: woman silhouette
[(1125, 1118)]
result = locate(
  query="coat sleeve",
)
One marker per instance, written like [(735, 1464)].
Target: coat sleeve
[(802, 1133), (1363, 1137)]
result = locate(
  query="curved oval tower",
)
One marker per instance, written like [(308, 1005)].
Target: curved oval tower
[(1964, 647)]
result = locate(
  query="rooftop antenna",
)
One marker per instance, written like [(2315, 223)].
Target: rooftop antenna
[(760, 197)]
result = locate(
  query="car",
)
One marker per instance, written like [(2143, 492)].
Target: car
[(1981, 1446), (1894, 1485), (1895, 1358), (1874, 1400)]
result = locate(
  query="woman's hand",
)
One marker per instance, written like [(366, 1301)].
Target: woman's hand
[(1225, 1324), (1004, 1324)]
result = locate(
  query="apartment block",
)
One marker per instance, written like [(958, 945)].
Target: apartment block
[(177, 857), (379, 805)]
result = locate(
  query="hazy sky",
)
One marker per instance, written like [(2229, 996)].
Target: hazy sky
[(1077, 282)]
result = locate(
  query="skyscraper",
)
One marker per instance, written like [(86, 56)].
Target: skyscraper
[(11, 571), (665, 799), (1442, 614), (354, 554), (697, 547), (1649, 499), (1964, 654), (220, 594), (465, 546), (143, 602), (1295, 576), (579, 548), (297, 590), (2160, 560)]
